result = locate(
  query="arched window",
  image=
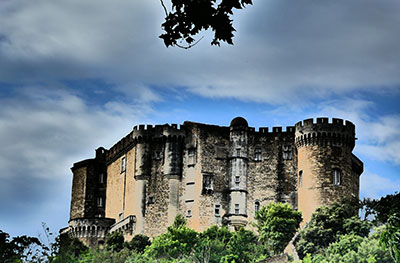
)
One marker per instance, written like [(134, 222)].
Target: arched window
[(256, 206), (336, 177)]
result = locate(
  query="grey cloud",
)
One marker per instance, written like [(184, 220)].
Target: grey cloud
[(281, 48), (43, 132)]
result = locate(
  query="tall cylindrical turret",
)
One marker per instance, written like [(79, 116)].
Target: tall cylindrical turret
[(142, 173), (173, 168), (238, 164), (324, 163)]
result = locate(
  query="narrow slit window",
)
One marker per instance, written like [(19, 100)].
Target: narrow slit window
[(257, 154), (123, 164), (99, 201), (236, 209), (189, 213), (217, 210), (256, 206)]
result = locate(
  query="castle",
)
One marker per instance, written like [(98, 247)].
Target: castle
[(213, 175)]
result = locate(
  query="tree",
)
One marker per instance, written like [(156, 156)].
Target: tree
[(19, 249), (114, 241), (352, 249), (277, 224), (390, 238), (188, 17), (177, 242), (329, 222), (242, 248), (383, 208), (138, 243)]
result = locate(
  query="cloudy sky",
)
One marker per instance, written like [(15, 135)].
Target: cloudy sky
[(76, 75)]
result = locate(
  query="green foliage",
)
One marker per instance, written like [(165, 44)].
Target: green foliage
[(277, 224), (390, 238), (243, 244), (383, 208), (177, 242), (19, 249), (327, 223), (187, 18), (114, 241), (352, 249), (138, 243), (67, 249)]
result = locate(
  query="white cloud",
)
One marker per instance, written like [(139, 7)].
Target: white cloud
[(375, 186)]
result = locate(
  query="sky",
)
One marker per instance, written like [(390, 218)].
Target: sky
[(76, 75)]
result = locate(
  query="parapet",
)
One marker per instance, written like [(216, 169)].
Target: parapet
[(324, 132)]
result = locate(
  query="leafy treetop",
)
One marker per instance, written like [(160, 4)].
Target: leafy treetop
[(188, 17)]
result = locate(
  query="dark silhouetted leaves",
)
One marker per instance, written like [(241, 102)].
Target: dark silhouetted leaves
[(189, 17)]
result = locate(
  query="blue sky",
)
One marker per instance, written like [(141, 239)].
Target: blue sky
[(76, 75)]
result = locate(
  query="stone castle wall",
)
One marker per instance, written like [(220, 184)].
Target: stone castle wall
[(205, 172)]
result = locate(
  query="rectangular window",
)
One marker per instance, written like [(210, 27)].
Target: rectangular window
[(257, 206), (208, 183), (257, 155), (287, 152), (191, 156), (99, 201), (236, 209), (217, 210), (123, 164), (151, 200), (238, 152), (336, 177)]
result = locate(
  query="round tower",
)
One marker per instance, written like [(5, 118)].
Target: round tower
[(142, 170), (238, 163), (325, 172)]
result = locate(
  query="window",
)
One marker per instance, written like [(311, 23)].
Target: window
[(287, 152), (101, 178), (301, 178), (237, 180), (123, 164), (208, 183), (238, 152), (336, 177), (157, 155), (151, 200), (236, 209), (191, 156), (99, 201), (217, 210), (256, 206), (189, 213), (257, 154)]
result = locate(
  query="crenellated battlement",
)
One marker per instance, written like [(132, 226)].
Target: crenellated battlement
[(276, 130), (335, 123), (336, 132)]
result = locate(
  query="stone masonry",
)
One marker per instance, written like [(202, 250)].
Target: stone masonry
[(212, 175)]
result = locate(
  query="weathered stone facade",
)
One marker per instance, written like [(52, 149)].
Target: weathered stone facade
[(213, 175)]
